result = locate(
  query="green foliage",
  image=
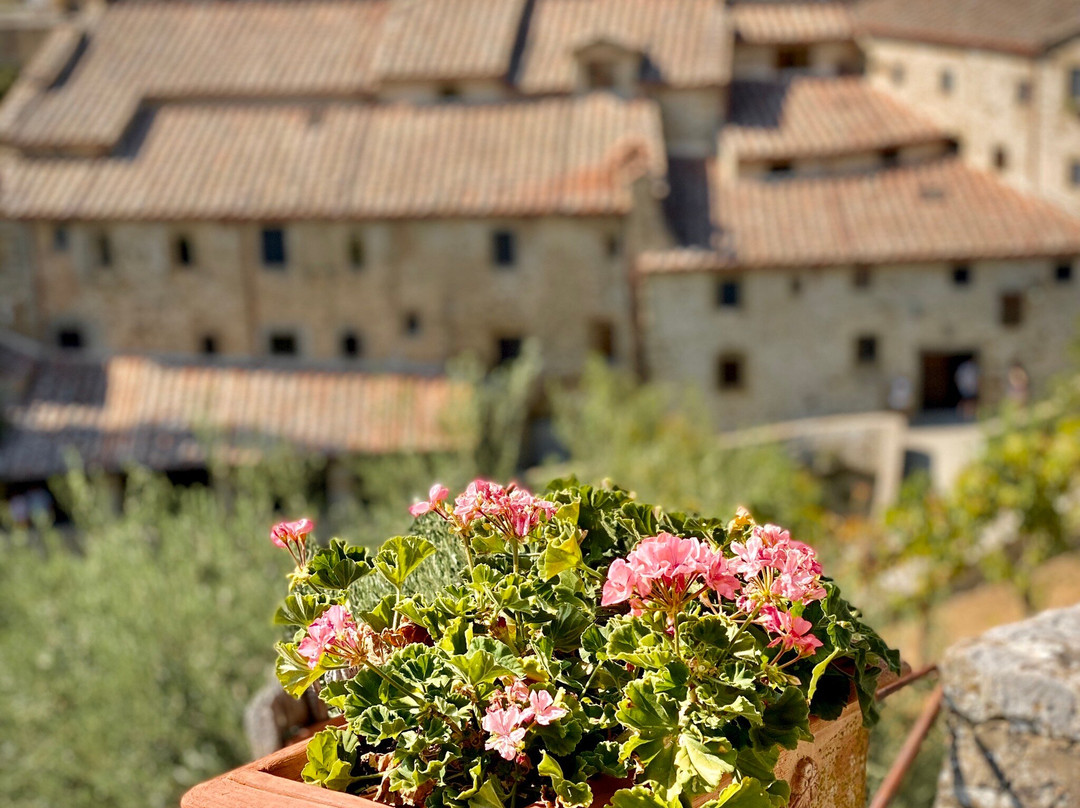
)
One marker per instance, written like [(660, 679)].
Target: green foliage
[(683, 697)]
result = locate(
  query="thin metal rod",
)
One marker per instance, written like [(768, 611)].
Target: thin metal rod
[(908, 752), (887, 690)]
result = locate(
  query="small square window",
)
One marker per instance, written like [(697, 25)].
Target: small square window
[(729, 294), (1023, 92), (60, 238), (946, 81), (961, 275), (283, 343), (185, 255), (103, 248), (1063, 272), (273, 247), (866, 350), (1074, 84), (729, 372), (600, 74), (209, 345), (796, 286), (1001, 158), (508, 349), (614, 246), (602, 338), (861, 277), (412, 324), (792, 57), (351, 346), (356, 253), (1074, 173), (503, 248), (1012, 309), (70, 339)]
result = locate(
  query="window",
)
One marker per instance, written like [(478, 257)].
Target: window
[(602, 338), (209, 345), (1074, 84), (273, 247), (185, 255), (861, 277), (1074, 173), (1023, 93), (961, 275), (866, 350), (1012, 308), (796, 286), (792, 57), (600, 74), (103, 250), (503, 249), (351, 347), (356, 252), (412, 324), (283, 343), (890, 158), (613, 246), (728, 294), (60, 238), (507, 349), (1001, 158), (70, 338), (1063, 272), (897, 74), (780, 168), (729, 372), (449, 92), (946, 82)]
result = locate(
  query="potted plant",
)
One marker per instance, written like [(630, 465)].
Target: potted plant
[(591, 649)]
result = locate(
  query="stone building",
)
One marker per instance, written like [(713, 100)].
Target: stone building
[(702, 191), (1005, 76)]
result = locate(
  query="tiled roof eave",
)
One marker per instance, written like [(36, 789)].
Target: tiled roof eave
[(783, 152), (955, 40)]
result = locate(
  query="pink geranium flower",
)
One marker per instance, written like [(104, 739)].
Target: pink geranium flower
[(436, 496), (543, 709), (667, 567), (793, 633), (285, 534), (620, 584), (506, 735), (334, 631)]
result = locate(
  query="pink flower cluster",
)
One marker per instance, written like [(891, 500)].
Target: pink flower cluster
[(337, 634), (509, 713), (292, 536), (790, 632), (510, 510), (668, 571)]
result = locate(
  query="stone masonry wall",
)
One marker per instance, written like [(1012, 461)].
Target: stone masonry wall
[(1013, 716)]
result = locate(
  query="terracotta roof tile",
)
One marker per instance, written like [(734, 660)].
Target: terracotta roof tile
[(169, 50), (686, 42), (819, 117), (153, 412), (448, 39), (791, 23), (554, 156), (1027, 27), (934, 212)]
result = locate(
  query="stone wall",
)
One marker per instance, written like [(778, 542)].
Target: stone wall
[(422, 292), (1013, 716), (796, 331)]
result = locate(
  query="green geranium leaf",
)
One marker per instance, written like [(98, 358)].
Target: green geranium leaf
[(640, 797), (785, 722), (337, 566), (747, 793), (299, 610), (326, 767), (571, 794), (566, 628), (818, 672), (292, 670), (559, 556), (487, 796), (382, 616), (479, 667), (639, 644), (400, 557), (704, 766)]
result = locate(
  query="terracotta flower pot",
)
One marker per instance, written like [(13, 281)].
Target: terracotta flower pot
[(829, 772)]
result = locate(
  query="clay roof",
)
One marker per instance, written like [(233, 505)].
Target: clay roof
[(158, 413), (781, 23), (566, 156), (685, 42), (451, 39), (83, 89), (819, 117), (938, 211), (1027, 28)]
